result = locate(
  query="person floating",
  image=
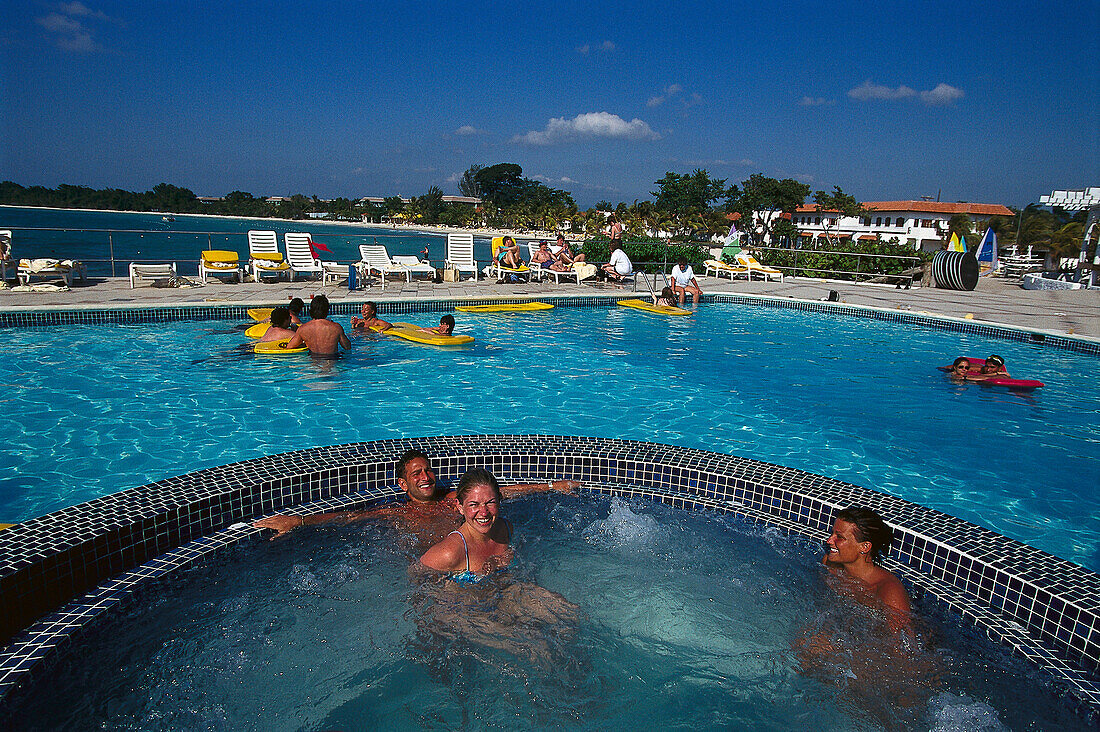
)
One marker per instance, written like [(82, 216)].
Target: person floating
[(445, 328)]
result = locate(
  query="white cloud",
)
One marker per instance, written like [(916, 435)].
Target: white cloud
[(867, 90), (79, 9), (670, 91), (942, 95), (605, 47), (815, 101), (583, 50), (468, 130), (591, 124), (70, 34)]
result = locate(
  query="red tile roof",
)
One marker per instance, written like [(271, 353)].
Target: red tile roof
[(977, 209)]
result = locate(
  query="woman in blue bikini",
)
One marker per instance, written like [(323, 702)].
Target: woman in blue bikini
[(481, 543)]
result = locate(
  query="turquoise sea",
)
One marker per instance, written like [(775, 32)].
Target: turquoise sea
[(94, 236)]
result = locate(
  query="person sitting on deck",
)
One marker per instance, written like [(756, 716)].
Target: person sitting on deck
[(280, 326), (565, 256), (542, 257), (322, 336), (509, 256), (370, 318), (683, 281), (620, 265)]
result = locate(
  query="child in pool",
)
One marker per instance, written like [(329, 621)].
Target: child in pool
[(446, 326)]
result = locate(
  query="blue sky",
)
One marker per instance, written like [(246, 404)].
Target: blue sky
[(988, 102)]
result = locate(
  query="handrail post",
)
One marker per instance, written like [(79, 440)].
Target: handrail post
[(111, 248)]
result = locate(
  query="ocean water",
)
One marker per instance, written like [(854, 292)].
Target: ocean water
[(94, 409), (147, 237), (613, 615)]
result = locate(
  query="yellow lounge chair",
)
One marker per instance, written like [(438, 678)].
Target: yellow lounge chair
[(220, 262), (500, 270)]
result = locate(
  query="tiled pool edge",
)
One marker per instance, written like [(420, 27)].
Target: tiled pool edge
[(136, 314), (101, 552)]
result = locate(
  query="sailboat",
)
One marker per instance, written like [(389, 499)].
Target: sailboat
[(987, 253), (957, 243)]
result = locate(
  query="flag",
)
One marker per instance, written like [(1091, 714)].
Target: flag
[(315, 246)]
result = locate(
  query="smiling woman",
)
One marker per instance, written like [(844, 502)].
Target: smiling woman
[(482, 543)]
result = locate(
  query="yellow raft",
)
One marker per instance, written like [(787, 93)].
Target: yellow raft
[(520, 307), (411, 332), (259, 314), (278, 348), (257, 330), (651, 308)]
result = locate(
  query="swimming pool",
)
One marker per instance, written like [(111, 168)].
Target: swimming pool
[(94, 409), (657, 618)]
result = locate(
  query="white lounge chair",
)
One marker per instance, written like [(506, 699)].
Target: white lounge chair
[(375, 258), (543, 272), (414, 265), (749, 262), (220, 262), (264, 256), (300, 257), (63, 268), (719, 267), (460, 253), (140, 271), (5, 253)]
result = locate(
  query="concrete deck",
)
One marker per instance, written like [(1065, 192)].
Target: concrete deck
[(995, 301)]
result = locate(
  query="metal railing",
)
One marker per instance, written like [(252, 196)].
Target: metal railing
[(859, 272)]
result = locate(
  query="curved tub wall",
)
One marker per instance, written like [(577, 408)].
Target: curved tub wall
[(58, 573)]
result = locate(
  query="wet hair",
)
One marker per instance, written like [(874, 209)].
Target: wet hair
[(372, 306), (448, 320), (668, 294), (280, 317), (995, 360), (475, 477), (959, 360), (318, 307), (870, 527), (296, 305), (408, 457)]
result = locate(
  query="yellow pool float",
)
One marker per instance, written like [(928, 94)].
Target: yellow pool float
[(411, 332), (278, 348), (651, 308), (520, 307)]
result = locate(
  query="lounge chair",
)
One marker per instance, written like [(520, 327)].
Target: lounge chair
[(63, 268), (460, 253), (264, 256), (5, 253), (719, 267), (375, 258), (220, 262), (543, 272), (299, 255), (414, 265), (154, 272), (498, 270), (749, 262)]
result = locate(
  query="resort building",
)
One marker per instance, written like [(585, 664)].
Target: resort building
[(921, 224)]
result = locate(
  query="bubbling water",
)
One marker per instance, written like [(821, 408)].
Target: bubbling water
[(614, 614)]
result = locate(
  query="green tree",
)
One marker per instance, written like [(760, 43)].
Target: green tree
[(960, 224), (843, 204), (500, 184), (429, 206), (468, 186), (689, 200), (762, 200)]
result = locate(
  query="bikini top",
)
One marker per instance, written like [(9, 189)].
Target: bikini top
[(466, 577)]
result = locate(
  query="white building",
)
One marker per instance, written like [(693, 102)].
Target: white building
[(921, 224)]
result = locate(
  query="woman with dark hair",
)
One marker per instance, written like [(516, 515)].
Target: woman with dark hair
[(859, 537), (481, 543)]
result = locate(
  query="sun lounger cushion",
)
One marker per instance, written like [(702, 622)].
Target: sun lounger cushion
[(275, 257), (220, 259)]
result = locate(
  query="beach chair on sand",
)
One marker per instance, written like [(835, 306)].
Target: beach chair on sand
[(460, 253), (264, 257), (498, 270), (219, 262), (543, 272), (719, 267), (375, 258), (299, 255), (749, 262)]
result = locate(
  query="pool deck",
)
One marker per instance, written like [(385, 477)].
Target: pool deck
[(995, 301)]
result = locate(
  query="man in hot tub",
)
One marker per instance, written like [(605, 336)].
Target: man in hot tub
[(431, 510)]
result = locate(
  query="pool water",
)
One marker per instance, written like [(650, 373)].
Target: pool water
[(614, 615), (95, 409)]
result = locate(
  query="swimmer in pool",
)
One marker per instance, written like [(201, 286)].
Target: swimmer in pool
[(429, 510), (370, 318), (960, 367), (446, 326), (296, 306), (859, 537), (322, 336), (481, 544), (994, 367), (280, 326), (667, 298)]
